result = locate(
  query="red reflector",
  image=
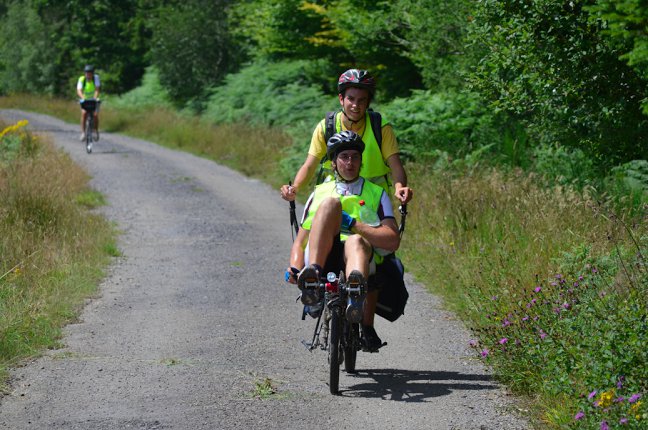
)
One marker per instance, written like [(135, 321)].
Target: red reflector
[(331, 288)]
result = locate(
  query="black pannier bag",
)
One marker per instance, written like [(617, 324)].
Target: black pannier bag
[(393, 293)]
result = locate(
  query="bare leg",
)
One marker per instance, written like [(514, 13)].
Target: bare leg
[(84, 115), (325, 226)]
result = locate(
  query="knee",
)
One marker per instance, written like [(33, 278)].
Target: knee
[(357, 243), (331, 204)]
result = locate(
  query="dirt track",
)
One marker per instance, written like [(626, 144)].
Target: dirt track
[(196, 312)]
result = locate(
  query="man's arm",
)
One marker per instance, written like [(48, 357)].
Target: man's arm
[(306, 172), (402, 192), (384, 236), (297, 253)]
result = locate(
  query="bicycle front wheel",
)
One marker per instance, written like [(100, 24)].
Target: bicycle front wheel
[(351, 345), (334, 349)]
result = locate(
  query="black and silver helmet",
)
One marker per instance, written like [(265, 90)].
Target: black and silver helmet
[(343, 141)]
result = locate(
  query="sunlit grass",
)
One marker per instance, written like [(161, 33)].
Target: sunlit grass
[(553, 285), (52, 248)]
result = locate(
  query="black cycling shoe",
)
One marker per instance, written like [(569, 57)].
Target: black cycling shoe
[(308, 283), (370, 340), (357, 288)]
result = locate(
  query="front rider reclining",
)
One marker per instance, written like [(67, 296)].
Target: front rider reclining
[(333, 235)]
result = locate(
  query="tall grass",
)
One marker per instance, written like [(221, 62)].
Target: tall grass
[(554, 287), (52, 246)]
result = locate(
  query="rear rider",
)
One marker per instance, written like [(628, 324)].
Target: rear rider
[(356, 89), (89, 87)]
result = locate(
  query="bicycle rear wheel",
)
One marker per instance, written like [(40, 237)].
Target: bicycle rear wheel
[(351, 345), (334, 349), (88, 132)]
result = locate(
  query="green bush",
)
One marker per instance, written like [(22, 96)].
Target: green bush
[(274, 94), (427, 122), (150, 93), (560, 165), (628, 184)]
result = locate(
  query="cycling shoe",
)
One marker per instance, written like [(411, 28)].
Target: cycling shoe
[(308, 283), (357, 287), (370, 340)]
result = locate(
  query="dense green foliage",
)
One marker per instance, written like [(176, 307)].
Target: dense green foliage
[(548, 65), (190, 47)]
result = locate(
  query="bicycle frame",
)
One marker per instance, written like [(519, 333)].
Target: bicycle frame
[(90, 106)]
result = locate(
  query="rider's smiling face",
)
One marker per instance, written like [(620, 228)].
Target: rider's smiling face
[(348, 163), (355, 103)]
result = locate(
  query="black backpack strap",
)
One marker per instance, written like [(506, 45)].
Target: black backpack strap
[(376, 125), (329, 130), (329, 126)]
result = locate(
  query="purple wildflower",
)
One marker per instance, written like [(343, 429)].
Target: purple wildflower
[(620, 382), (575, 284), (619, 399), (594, 270), (542, 334), (484, 352), (494, 298), (553, 284), (472, 342), (503, 341), (538, 289), (634, 398), (526, 318), (558, 276), (623, 421), (591, 395), (506, 323), (579, 415), (604, 425), (566, 305), (580, 278)]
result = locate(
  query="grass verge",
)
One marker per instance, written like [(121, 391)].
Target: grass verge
[(53, 246)]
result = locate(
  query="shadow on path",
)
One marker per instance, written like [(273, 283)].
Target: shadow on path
[(413, 385)]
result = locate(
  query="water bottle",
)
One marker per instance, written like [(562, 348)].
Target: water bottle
[(368, 216)]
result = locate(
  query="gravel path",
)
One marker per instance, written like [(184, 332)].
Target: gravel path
[(196, 312)]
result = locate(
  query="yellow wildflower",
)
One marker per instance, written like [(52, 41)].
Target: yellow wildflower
[(15, 127), (606, 399)]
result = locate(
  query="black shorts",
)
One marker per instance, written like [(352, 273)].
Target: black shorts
[(335, 260)]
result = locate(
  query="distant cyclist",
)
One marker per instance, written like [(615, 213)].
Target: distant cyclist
[(89, 87)]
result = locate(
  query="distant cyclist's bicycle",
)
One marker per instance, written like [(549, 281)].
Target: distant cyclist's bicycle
[(91, 134), (337, 331)]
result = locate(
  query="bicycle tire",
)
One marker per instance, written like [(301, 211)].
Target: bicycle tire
[(334, 349), (351, 344), (89, 126)]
